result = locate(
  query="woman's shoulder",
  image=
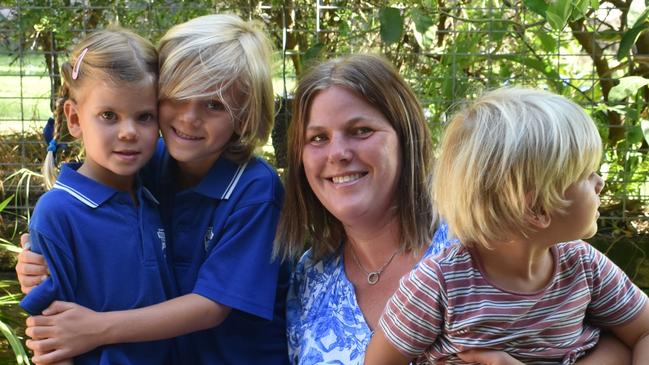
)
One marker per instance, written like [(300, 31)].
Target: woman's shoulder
[(310, 267)]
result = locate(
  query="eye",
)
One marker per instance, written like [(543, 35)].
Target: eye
[(147, 117), (317, 139), (109, 116), (215, 105), (362, 131)]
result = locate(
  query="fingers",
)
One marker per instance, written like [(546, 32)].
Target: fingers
[(42, 346), (58, 307), (29, 257), (38, 321), (30, 269), (50, 357), (24, 241), (40, 332)]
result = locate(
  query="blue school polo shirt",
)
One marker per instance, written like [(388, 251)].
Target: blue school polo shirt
[(104, 253), (222, 233)]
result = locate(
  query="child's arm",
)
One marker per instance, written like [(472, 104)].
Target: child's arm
[(609, 351), (68, 329), (381, 352), (636, 335), (617, 304)]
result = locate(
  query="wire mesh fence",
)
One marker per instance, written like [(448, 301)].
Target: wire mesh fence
[(593, 53)]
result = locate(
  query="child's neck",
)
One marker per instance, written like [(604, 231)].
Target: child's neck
[(521, 265), (122, 183), (188, 175)]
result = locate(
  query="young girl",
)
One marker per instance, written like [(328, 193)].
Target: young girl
[(516, 176), (219, 202), (98, 228)]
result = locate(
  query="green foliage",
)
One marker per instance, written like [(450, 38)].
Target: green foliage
[(8, 299), (391, 25), (627, 86)]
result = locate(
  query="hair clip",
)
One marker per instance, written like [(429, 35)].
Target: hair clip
[(75, 70), (52, 146)]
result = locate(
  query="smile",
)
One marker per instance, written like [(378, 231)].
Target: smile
[(346, 178), (185, 136)]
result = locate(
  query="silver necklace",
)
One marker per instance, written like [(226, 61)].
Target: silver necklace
[(372, 276)]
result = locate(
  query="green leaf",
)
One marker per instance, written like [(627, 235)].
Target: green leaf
[(548, 42), (594, 4), (549, 72), (644, 125), (628, 86), (628, 40), (580, 9), (424, 28), (555, 21), (498, 30), (11, 248), (634, 134), (14, 342), (422, 21), (313, 51), (558, 13), (312, 54), (391, 25), (5, 202), (537, 6)]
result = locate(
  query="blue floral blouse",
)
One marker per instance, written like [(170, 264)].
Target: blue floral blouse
[(324, 322)]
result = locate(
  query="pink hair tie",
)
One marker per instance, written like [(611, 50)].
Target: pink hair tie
[(75, 70)]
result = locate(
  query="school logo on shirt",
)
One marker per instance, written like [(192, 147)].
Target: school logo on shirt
[(163, 240), (208, 237)]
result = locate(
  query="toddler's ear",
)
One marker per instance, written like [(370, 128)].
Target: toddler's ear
[(540, 219), (536, 216), (72, 118)]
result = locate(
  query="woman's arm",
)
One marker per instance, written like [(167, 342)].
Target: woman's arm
[(67, 329), (380, 351)]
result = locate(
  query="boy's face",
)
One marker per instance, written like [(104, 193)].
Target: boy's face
[(196, 132), (580, 219)]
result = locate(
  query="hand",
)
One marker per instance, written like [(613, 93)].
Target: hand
[(64, 331), (31, 268), (488, 357)]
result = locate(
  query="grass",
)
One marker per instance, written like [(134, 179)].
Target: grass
[(24, 93)]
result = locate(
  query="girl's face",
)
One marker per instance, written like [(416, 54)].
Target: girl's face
[(119, 129), (351, 157), (196, 132)]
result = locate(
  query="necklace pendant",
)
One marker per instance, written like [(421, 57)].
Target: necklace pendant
[(373, 277)]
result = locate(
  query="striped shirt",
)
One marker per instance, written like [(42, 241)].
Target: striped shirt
[(448, 306)]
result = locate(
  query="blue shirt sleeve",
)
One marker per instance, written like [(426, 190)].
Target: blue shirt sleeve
[(62, 279)]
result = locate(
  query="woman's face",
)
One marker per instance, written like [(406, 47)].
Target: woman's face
[(351, 157)]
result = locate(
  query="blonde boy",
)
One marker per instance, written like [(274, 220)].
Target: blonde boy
[(516, 176)]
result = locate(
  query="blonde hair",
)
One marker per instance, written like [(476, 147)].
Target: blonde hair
[(511, 152), (303, 216), (225, 57), (114, 54)]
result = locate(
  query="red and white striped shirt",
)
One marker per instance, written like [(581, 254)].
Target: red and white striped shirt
[(447, 306)]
